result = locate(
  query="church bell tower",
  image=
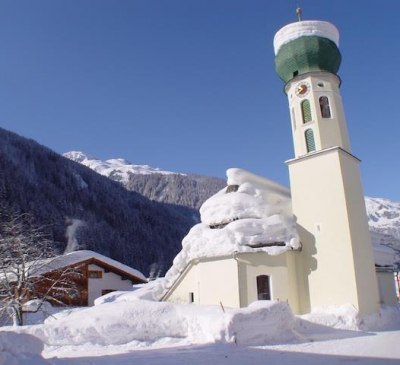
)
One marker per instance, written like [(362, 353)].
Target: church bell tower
[(336, 264)]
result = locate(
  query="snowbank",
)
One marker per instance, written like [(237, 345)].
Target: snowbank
[(140, 291), (346, 317), (124, 323), (114, 323), (251, 214), (339, 317), (20, 349), (128, 320)]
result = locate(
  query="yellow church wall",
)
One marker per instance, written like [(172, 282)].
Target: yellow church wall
[(212, 281), (336, 261), (219, 282), (281, 270), (232, 280)]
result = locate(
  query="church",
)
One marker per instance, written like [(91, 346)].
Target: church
[(308, 245)]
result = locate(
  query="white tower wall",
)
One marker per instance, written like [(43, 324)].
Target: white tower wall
[(328, 132), (336, 265)]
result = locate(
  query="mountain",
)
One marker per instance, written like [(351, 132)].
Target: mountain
[(117, 169), (164, 186), (384, 222), (79, 208), (192, 190)]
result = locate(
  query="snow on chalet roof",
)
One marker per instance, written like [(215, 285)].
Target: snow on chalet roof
[(75, 257), (384, 256), (251, 214)]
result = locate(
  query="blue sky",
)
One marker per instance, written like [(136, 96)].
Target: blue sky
[(190, 86)]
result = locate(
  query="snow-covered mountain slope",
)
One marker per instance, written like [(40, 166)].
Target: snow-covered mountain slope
[(117, 169), (77, 207), (384, 216), (384, 222), (187, 190)]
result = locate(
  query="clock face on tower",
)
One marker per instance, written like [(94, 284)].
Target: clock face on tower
[(302, 89)]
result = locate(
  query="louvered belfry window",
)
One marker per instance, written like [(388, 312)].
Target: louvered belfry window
[(325, 108), (310, 142), (306, 111)]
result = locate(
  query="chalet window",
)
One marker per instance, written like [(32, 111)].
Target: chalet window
[(306, 111), (310, 142), (106, 291), (95, 274), (263, 288), (324, 106)]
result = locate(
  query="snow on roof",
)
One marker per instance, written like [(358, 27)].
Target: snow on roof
[(384, 256), (72, 258), (308, 28), (252, 214)]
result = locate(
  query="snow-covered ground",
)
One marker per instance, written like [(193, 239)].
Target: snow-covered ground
[(124, 329)]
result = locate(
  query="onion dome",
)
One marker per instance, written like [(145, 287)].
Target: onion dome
[(306, 46)]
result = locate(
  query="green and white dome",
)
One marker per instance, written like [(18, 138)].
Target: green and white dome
[(306, 46)]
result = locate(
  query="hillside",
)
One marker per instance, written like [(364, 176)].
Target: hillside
[(75, 205), (165, 186)]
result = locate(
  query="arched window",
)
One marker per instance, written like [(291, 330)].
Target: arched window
[(310, 142), (263, 291), (325, 108), (306, 111)]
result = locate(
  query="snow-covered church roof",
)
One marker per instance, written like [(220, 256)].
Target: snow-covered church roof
[(251, 214)]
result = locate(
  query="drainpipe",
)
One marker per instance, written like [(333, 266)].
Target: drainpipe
[(235, 254)]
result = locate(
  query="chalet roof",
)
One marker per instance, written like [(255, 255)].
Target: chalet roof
[(76, 257)]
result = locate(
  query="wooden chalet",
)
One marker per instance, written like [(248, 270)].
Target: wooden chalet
[(80, 277)]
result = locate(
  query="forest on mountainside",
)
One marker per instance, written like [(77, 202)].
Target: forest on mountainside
[(58, 192)]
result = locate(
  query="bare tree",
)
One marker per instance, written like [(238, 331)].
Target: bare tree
[(30, 269)]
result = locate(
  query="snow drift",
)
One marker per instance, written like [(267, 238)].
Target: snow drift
[(128, 320), (20, 349)]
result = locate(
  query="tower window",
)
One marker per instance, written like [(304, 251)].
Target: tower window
[(310, 142), (263, 288), (325, 108), (306, 111)]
